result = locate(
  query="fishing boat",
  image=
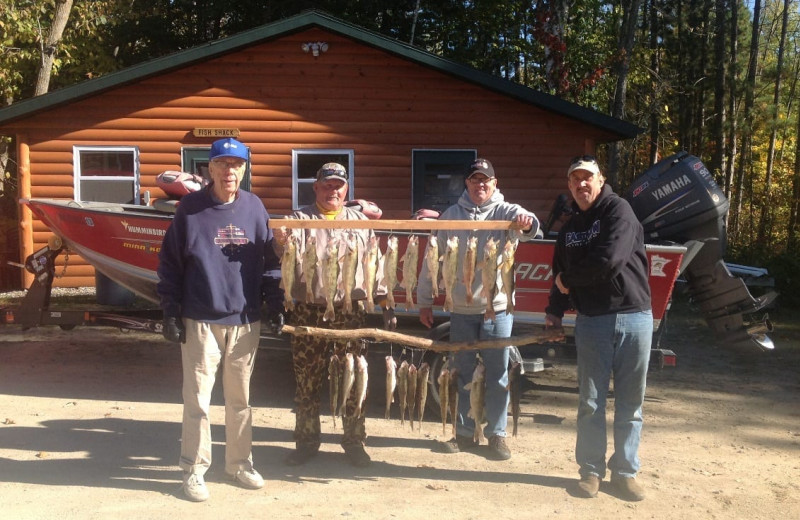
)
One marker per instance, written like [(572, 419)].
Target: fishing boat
[(122, 241)]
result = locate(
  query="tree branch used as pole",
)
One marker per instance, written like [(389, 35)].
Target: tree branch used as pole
[(545, 336)]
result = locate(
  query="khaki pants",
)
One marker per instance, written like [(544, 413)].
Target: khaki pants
[(206, 346)]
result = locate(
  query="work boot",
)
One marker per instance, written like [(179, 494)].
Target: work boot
[(300, 456), (627, 488), (498, 448), (194, 487), (357, 455), (588, 486), (457, 444)]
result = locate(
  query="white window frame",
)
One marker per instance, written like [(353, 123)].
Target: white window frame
[(76, 168), (297, 181)]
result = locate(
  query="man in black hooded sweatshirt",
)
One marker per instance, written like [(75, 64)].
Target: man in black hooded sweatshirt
[(600, 269)]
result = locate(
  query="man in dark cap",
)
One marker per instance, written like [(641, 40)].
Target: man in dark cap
[(469, 320)]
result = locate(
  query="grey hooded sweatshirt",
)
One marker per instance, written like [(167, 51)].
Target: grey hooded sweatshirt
[(496, 208)]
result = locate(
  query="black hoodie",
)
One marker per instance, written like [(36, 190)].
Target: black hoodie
[(601, 257)]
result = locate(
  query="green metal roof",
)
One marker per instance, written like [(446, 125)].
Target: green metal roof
[(301, 22)]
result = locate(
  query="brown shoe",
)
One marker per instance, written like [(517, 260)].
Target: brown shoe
[(588, 486), (627, 488), (498, 448), (458, 444)]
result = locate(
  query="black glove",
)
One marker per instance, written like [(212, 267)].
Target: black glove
[(389, 320), (173, 329), (275, 321)]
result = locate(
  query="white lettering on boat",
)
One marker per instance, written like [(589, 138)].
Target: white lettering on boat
[(143, 230)]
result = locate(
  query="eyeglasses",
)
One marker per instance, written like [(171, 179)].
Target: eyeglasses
[(480, 180), (583, 158), (235, 164)]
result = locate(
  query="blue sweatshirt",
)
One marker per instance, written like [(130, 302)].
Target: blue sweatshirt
[(216, 261)]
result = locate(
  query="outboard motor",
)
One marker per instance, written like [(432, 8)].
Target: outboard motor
[(678, 200)]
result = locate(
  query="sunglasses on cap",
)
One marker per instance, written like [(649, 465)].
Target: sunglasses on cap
[(583, 158)]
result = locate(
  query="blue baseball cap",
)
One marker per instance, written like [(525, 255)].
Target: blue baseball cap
[(228, 147)]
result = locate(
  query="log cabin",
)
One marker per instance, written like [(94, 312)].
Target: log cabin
[(299, 92)]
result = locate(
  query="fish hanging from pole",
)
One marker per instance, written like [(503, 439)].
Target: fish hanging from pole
[(410, 260)]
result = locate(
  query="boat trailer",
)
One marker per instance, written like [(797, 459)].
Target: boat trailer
[(35, 310)]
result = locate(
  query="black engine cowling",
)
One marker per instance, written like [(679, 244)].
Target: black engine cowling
[(678, 200)]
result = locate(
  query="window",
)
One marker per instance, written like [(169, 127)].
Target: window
[(438, 177), (106, 173), (305, 164), (195, 160)]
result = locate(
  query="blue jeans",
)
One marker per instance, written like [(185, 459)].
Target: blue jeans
[(618, 345), (471, 327)]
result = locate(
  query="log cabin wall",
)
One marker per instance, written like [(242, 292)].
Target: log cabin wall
[(354, 96)]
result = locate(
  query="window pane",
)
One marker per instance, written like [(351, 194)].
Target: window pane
[(439, 177), (305, 193), (106, 190), (106, 163)]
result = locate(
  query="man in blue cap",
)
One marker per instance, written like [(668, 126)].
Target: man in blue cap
[(216, 268)]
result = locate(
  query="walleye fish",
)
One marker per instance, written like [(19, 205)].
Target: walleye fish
[(349, 265), (449, 272), (334, 379), (453, 393), (411, 393), (390, 270), (402, 389), (477, 395), (310, 266), (370, 270), (432, 260), (288, 264), (361, 385), (489, 276), (515, 389), (348, 379), (507, 274), (470, 261), (330, 270), (444, 396), (422, 391), (410, 260), (391, 382)]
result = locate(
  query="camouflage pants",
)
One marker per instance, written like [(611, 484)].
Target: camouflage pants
[(310, 358)]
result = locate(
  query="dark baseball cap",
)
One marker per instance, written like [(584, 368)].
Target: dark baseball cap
[(482, 166), (332, 170)]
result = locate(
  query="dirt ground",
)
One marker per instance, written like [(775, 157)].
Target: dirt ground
[(90, 427)]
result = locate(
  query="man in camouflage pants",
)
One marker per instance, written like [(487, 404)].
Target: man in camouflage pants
[(310, 354)]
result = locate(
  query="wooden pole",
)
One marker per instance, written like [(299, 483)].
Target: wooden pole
[(548, 335), (392, 225)]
